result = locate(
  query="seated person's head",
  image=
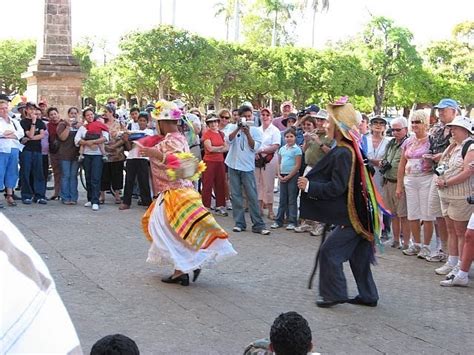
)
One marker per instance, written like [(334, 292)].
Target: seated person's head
[(290, 335), (116, 344)]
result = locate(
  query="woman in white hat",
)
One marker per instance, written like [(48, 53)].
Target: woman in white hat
[(453, 188), (182, 232)]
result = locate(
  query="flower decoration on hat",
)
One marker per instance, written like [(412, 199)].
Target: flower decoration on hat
[(184, 166), (166, 110)]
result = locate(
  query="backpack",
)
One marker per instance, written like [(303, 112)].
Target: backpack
[(465, 148)]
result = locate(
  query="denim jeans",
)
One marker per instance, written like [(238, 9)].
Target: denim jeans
[(288, 201), (246, 180), (32, 166), (9, 169), (69, 170), (93, 169)]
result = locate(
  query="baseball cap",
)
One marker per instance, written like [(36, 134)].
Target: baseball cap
[(322, 114), (461, 121), (378, 118), (32, 104), (444, 103), (312, 108)]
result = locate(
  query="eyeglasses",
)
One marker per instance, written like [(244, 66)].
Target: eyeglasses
[(225, 117), (416, 122), (397, 129)]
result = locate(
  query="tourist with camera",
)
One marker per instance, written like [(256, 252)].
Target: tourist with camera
[(244, 140), (453, 184), (388, 169), (414, 178)]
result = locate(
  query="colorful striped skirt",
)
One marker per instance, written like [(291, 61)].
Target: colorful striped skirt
[(183, 233)]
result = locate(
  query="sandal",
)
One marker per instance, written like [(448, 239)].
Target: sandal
[(10, 201), (54, 198), (101, 202), (271, 216)]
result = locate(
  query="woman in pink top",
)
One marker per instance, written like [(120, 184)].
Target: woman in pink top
[(414, 176)]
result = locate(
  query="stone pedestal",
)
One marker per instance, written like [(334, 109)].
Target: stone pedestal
[(55, 75)]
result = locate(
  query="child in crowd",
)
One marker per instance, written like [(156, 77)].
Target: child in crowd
[(289, 158), (137, 167), (94, 131), (117, 344)]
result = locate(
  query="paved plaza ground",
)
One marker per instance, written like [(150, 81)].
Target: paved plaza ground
[(98, 262)]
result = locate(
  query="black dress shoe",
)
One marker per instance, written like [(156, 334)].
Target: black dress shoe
[(182, 279), (327, 304), (357, 300), (196, 274)]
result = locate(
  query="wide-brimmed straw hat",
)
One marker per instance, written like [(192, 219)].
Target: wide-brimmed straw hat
[(344, 115)]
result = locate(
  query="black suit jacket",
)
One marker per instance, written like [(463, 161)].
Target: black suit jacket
[(326, 199)]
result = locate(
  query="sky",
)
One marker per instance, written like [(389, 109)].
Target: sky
[(109, 19)]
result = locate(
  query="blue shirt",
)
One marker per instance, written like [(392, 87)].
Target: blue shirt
[(241, 156), (288, 158)]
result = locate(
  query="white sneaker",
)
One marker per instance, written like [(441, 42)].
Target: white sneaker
[(95, 207), (445, 269), (424, 252), (88, 204), (453, 272), (440, 256), (412, 250), (303, 228), (318, 229), (290, 227), (455, 280)]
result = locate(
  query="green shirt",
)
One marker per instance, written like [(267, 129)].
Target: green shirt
[(392, 155), (314, 152)]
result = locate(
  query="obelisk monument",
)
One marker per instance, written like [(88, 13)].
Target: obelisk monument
[(55, 75)]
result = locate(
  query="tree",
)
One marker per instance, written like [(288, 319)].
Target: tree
[(226, 9), (316, 6), (464, 32), (260, 29), (14, 58), (388, 54)]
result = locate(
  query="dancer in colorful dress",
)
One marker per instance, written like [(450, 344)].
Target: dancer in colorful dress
[(181, 230)]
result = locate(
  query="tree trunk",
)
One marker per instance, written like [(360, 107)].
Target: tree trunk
[(314, 27), (379, 94)]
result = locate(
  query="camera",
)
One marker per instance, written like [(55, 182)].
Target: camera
[(385, 166), (440, 169), (242, 123), (470, 200), (303, 112)]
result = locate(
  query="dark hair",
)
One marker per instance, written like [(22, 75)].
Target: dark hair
[(291, 130), (51, 109), (85, 111), (290, 334), (116, 344), (72, 108), (235, 110), (243, 109), (110, 108), (143, 114), (134, 109), (365, 117), (309, 119)]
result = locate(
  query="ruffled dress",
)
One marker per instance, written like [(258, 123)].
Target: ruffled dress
[(182, 232)]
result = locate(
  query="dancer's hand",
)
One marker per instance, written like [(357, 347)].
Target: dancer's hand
[(302, 183)]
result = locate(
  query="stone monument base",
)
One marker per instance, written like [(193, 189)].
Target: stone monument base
[(56, 79)]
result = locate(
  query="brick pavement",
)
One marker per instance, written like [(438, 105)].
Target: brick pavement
[(98, 262)]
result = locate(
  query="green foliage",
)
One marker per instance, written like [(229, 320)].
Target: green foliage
[(83, 53), (14, 59)]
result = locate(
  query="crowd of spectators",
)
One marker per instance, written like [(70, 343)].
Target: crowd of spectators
[(422, 166)]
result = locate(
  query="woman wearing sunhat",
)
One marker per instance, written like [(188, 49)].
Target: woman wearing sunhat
[(339, 191), (182, 232), (454, 185)]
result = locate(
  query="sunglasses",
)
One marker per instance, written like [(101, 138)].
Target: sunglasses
[(396, 129), (225, 117), (416, 122)]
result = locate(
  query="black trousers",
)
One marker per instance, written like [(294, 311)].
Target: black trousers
[(112, 176), (138, 169), (342, 245)]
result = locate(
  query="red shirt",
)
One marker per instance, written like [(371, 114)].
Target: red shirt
[(96, 127), (217, 140)]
